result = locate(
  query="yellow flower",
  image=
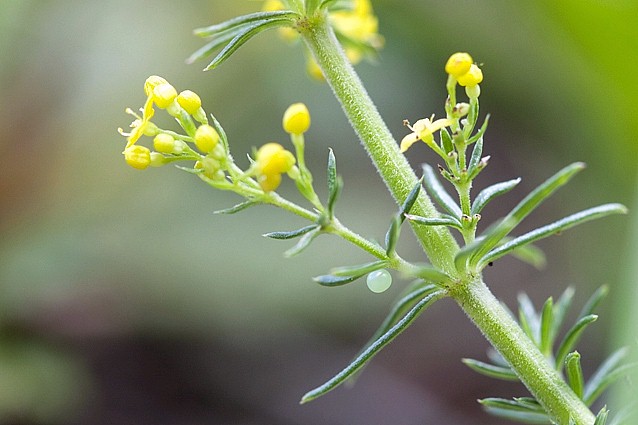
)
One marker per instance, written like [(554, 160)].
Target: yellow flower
[(164, 95), (206, 138), (271, 161), (296, 119), (424, 130), (190, 101), (164, 143), (141, 125), (359, 26), (137, 156), (458, 64), (472, 77)]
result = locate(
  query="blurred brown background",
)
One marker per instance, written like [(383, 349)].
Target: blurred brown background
[(124, 300)]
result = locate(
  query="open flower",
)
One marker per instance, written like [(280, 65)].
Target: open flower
[(357, 29), (423, 129)]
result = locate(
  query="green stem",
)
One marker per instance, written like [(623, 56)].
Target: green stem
[(395, 170), (470, 293), (540, 378)]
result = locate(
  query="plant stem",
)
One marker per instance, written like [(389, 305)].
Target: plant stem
[(470, 293), (542, 380), (395, 170)]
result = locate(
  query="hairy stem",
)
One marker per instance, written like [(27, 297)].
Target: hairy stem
[(542, 380), (395, 170), (470, 293)]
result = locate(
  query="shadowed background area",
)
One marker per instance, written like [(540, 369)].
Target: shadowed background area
[(123, 299)]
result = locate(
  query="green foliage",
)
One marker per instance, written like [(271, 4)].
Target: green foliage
[(543, 327)]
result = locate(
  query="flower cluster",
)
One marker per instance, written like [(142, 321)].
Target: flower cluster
[(205, 145), (356, 27), (462, 70)]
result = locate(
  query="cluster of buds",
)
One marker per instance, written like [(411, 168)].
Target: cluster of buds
[(462, 69), (203, 144)]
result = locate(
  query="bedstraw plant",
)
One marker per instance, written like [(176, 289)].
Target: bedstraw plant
[(457, 246)]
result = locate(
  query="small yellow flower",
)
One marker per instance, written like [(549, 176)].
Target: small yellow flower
[(296, 119), (424, 130), (271, 161), (141, 125), (190, 101), (206, 138), (272, 6), (152, 82), (164, 95), (458, 64), (472, 77), (137, 156), (164, 143)]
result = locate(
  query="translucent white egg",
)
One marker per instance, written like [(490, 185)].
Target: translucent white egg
[(379, 281)]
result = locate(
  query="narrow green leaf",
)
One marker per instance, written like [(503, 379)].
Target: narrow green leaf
[(304, 242), (437, 192), (530, 403), (491, 192), (427, 272), (481, 131), (374, 348), (601, 417), (493, 371), (571, 338), (546, 322), (359, 270), (610, 378), (495, 234), (410, 199), (472, 117), (401, 307), (335, 183), (444, 220), (574, 373), (475, 159), (594, 300), (241, 38), (530, 254), (332, 280), (291, 234), (392, 236), (551, 229), (446, 140), (214, 45), (560, 310), (597, 383), (237, 208), (222, 134), (528, 317), (511, 409), (243, 20)]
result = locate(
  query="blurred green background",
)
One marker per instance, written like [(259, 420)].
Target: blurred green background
[(123, 299)]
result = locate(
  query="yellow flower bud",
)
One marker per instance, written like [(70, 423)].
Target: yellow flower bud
[(152, 82), (163, 95), (164, 143), (296, 119), (211, 168), (269, 182), (272, 158), (190, 101), (206, 138), (471, 77), (137, 156), (458, 64)]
